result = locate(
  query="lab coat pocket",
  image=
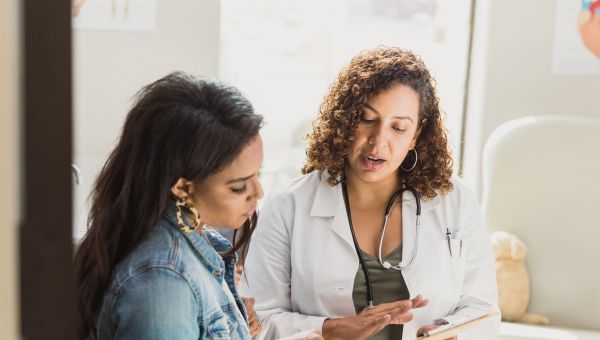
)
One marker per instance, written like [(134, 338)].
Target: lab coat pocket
[(451, 249), (452, 258), (452, 271)]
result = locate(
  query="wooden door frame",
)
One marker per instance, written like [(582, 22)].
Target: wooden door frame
[(47, 290)]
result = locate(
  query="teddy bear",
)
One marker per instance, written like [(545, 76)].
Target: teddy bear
[(513, 280)]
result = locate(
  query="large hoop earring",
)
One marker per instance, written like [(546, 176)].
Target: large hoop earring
[(414, 164), (181, 203)]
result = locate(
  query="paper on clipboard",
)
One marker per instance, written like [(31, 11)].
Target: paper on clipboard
[(457, 328)]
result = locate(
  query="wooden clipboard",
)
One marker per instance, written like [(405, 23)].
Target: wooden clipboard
[(457, 329)]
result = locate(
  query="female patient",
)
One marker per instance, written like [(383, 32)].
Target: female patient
[(148, 268)]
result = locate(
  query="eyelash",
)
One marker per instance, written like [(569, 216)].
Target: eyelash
[(239, 191), (367, 121), (372, 121)]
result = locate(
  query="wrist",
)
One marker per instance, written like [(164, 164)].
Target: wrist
[(329, 328)]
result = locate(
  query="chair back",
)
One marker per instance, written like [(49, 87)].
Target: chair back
[(541, 182)]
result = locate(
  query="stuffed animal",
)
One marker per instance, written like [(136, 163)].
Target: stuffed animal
[(513, 279)]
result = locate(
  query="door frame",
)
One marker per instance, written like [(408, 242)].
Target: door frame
[(46, 248)]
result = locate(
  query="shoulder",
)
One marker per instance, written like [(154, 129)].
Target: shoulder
[(460, 190), (301, 187), (163, 251), (461, 202), (459, 199), (147, 281), (161, 246), (299, 195)]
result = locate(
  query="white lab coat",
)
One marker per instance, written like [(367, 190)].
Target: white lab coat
[(302, 262)]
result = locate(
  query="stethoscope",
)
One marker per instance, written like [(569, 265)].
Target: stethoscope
[(384, 264)]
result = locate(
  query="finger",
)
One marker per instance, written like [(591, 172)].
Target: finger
[(254, 327), (386, 307), (401, 316), (424, 303), (376, 324), (249, 302), (239, 269), (254, 331), (419, 301), (427, 328)]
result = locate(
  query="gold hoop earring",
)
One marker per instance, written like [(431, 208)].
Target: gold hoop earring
[(414, 164), (181, 203)]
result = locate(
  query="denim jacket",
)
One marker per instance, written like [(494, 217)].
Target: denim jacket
[(173, 286)]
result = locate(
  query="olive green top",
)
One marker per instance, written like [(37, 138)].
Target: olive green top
[(387, 285)]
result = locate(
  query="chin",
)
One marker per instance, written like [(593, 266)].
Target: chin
[(373, 177), (241, 224)]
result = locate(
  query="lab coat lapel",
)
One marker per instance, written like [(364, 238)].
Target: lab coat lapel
[(409, 222), (329, 203), (340, 224)]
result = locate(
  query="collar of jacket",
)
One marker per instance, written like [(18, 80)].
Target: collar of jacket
[(208, 247)]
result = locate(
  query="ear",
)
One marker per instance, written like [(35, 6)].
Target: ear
[(518, 249), (182, 188), (413, 143)]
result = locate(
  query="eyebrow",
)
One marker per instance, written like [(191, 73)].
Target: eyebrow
[(397, 117), (240, 179)]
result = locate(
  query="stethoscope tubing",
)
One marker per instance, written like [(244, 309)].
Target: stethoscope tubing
[(388, 210)]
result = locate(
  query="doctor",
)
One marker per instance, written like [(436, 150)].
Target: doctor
[(377, 240)]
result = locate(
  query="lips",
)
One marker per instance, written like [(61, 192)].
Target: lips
[(249, 214), (372, 162)]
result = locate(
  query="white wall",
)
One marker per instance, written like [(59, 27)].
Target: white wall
[(111, 66), (511, 74), (9, 167)]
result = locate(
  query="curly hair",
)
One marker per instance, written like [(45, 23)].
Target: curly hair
[(367, 75)]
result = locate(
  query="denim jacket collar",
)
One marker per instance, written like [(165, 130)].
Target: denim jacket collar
[(208, 248)]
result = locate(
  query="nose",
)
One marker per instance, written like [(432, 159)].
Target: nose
[(377, 137), (258, 190)]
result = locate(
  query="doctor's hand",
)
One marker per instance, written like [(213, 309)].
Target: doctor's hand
[(370, 322), (430, 327), (253, 321)]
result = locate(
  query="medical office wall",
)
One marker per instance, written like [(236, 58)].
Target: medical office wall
[(293, 50), (512, 73), (112, 62), (9, 166)]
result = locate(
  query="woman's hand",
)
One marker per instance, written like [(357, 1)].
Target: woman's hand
[(429, 328), (370, 322), (253, 321)]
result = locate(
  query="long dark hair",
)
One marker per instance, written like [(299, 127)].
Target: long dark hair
[(179, 127)]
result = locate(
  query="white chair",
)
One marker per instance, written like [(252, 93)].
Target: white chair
[(541, 182)]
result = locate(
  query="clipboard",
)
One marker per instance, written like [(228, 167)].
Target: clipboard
[(457, 329)]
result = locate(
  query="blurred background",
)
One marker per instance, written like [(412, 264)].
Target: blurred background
[(281, 54), (69, 72)]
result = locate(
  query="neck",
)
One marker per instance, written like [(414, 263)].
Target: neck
[(371, 195)]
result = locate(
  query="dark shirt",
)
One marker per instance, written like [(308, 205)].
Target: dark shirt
[(388, 286)]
